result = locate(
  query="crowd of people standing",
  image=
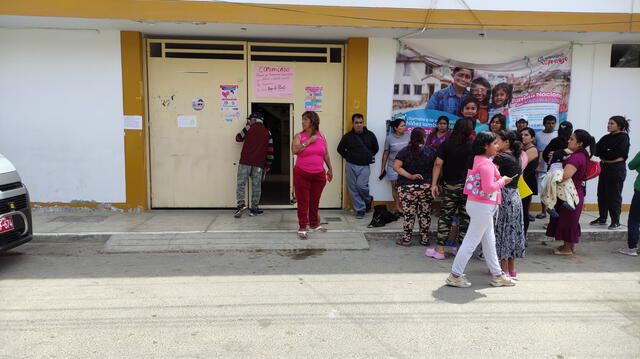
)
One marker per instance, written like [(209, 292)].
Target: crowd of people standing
[(484, 180)]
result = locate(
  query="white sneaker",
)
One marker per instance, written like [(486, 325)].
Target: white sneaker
[(460, 282), (502, 280), (628, 251)]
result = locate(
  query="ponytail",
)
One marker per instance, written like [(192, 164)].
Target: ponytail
[(417, 139), (622, 123), (587, 140), (515, 145)]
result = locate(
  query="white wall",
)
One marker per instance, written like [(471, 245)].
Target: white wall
[(597, 91), (61, 113)]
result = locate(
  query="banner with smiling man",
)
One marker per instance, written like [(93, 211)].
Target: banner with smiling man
[(428, 86)]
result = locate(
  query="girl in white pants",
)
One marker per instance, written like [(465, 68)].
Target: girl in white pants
[(482, 187)]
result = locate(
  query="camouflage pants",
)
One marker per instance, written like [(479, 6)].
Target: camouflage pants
[(244, 173), (453, 205)]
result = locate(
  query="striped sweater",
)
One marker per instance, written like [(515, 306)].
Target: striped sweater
[(257, 149)]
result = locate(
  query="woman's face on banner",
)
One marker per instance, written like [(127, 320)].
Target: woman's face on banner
[(462, 78), (479, 92), (500, 97), (442, 126), (470, 110)]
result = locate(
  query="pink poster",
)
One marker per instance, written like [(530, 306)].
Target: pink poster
[(273, 81)]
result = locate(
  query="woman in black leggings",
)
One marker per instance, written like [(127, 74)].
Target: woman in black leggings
[(613, 150)]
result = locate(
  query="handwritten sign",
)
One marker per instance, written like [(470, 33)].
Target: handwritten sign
[(273, 81)]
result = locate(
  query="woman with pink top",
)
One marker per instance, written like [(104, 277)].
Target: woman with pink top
[(309, 176), (482, 203)]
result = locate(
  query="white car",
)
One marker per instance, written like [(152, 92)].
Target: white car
[(15, 208)]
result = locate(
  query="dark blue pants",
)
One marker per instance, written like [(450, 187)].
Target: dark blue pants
[(634, 221)]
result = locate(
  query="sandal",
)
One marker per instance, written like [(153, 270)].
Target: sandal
[(319, 228), (557, 252), (561, 249), (403, 242), (303, 234)]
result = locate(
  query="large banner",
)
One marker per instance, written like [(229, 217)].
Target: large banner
[(428, 86)]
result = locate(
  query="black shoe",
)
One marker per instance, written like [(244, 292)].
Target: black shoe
[(532, 218), (239, 210), (614, 226), (359, 214), (541, 216), (598, 222), (255, 212)]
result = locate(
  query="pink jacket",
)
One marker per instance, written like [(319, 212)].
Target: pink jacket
[(490, 181)]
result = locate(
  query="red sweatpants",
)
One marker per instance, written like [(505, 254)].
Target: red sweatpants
[(308, 188)]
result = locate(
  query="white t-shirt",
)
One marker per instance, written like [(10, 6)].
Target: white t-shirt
[(542, 141)]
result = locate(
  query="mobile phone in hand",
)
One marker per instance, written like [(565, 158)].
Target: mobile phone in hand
[(384, 173)]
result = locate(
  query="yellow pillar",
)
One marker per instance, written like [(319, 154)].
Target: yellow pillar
[(132, 51), (356, 97)]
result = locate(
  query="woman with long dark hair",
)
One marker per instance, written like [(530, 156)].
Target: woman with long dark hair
[(393, 143), (566, 227), (528, 136), (440, 133), (309, 176), (453, 159), (483, 199), (613, 150), (414, 165), (509, 224)]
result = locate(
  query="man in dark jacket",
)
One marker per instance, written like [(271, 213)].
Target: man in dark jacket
[(255, 159), (359, 147)]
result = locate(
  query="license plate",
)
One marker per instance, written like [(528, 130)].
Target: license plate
[(6, 224)]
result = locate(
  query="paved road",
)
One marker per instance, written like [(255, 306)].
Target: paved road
[(65, 299)]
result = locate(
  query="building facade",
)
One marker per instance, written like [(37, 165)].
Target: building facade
[(134, 105)]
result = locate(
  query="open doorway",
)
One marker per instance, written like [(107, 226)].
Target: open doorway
[(276, 187)]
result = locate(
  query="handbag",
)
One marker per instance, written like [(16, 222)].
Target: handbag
[(593, 170), (472, 186), (523, 188)]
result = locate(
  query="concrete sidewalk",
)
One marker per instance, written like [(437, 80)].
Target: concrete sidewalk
[(202, 230)]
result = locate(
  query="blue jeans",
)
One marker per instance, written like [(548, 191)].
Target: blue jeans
[(244, 173), (634, 221), (358, 185)]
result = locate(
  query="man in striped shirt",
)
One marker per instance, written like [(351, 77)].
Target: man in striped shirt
[(255, 160)]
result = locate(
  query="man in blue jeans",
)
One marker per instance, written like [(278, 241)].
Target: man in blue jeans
[(358, 147), (255, 159)]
